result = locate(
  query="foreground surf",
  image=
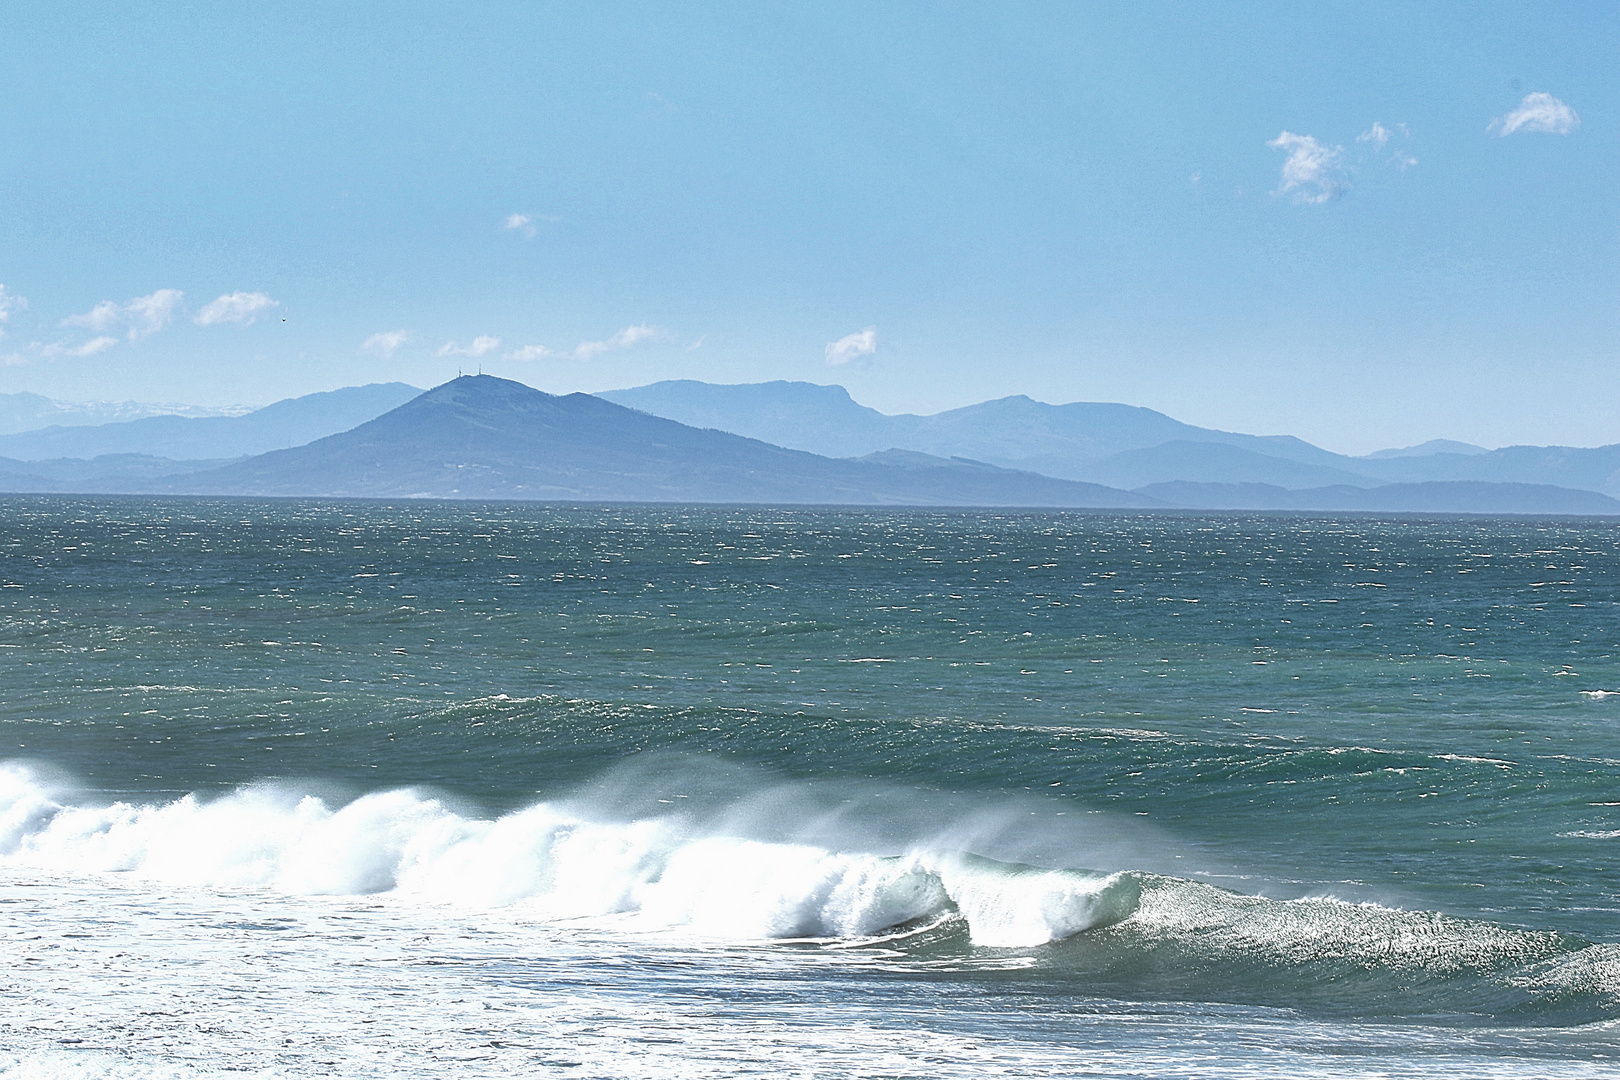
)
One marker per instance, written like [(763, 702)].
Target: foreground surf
[(552, 863)]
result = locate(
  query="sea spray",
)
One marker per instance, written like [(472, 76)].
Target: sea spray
[(548, 862), (547, 865), (1016, 906)]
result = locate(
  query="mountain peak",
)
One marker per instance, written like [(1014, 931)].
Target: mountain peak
[(480, 386), (1429, 449), (482, 437)]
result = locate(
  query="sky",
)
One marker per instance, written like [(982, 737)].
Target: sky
[(1364, 224)]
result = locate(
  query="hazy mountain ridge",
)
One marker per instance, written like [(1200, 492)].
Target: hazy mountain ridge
[(1431, 497), (108, 474), (286, 423), (1590, 468), (1205, 462), (1426, 449), (479, 437), (487, 438), (1015, 432), (23, 411), (1110, 444)]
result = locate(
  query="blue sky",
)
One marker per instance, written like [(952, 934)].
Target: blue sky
[(1366, 224)]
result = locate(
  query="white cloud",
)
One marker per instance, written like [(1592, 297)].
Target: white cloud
[(1378, 133), (525, 223), (93, 346), (589, 350), (141, 316), (632, 335), (90, 348), (385, 343), (1313, 171), (9, 302), (241, 308), (850, 346), (104, 316), (1537, 112), (481, 344), (149, 314), (624, 339)]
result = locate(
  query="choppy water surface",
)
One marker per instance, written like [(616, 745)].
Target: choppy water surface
[(365, 789)]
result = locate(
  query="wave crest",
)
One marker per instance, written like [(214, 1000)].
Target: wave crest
[(551, 862)]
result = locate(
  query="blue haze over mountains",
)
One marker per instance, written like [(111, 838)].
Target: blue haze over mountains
[(1118, 445), (29, 412), (479, 437), (292, 422), (482, 437)]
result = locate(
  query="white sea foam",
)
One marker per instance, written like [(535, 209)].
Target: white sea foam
[(169, 984), (551, 863), (282, 960)]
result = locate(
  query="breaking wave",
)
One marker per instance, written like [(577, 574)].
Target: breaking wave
[(1130, 933), (549, 862)]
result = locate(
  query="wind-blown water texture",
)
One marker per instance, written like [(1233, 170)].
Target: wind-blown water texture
[(1345, 781)]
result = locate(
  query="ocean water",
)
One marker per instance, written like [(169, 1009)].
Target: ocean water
[(297, 789)]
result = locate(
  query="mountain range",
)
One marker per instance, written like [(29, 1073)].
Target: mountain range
[(479, 437), (1118, 445), (488, 438), (1017, 432)]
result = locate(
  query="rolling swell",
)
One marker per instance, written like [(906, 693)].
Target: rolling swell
[(1327, 957), (1130, 933)]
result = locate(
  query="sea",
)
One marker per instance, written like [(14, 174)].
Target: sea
[(429, 789)]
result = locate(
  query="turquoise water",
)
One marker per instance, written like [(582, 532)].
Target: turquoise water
[(1087, 793)]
